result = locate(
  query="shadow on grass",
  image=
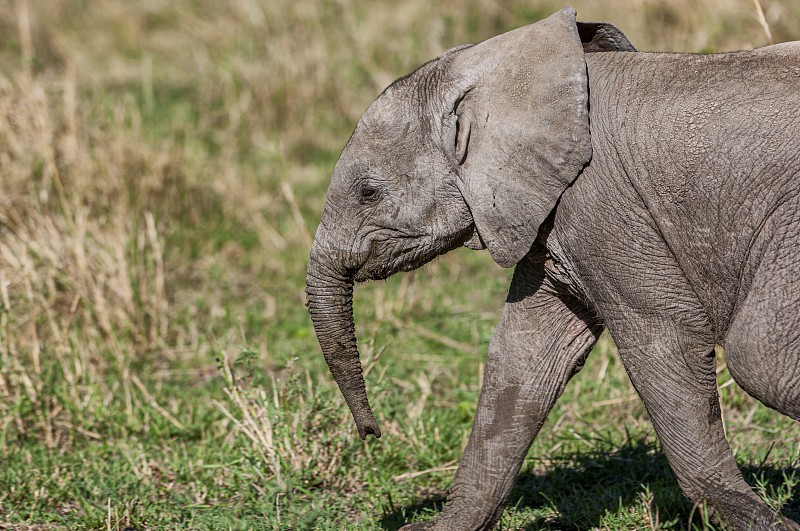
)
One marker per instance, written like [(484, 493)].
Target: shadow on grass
[(577, 491)]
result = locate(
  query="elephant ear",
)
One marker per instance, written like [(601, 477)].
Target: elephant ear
[(519, 129), (603, 37)]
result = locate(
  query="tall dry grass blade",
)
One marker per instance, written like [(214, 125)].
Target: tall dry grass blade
[(255, 420), (24, 28), (4, 283), (5, 391), (763, 21), (424, 332), (154, 403), (288, 193), (160, 304), (443, 468)]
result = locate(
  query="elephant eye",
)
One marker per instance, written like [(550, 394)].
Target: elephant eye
[(367, 194)]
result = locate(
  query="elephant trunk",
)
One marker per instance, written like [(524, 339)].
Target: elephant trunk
[(329, 293)]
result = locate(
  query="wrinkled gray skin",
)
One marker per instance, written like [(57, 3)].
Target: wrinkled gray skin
[(657, 195)]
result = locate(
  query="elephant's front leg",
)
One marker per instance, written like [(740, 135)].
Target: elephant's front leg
[(541, 341)]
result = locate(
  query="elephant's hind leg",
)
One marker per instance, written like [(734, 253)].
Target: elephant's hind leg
[(762, 348), (673, 369)]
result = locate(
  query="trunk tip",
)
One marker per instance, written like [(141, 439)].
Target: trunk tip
[(367, 426)]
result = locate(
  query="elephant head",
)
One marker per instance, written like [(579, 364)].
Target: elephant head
[(473, 148)]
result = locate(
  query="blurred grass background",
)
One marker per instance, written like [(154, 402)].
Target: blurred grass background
[(163, 165)]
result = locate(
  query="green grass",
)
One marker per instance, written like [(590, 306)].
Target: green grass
[(162, 171)]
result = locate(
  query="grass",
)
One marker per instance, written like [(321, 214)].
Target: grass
[(162, 170)]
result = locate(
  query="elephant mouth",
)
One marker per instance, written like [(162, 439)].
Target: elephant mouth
[(407, 258), (378, 269), (389, 255)]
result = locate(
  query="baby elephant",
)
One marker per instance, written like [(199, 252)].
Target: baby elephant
[(657, 195)]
